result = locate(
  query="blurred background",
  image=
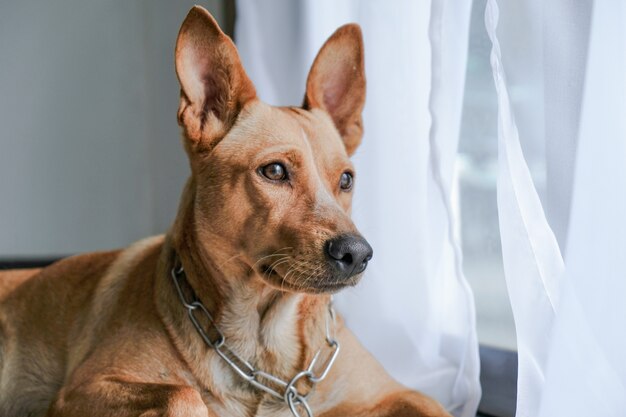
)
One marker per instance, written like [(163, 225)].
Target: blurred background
[(90, 154)]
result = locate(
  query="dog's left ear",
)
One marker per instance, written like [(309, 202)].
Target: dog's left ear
[(214, 85), (336, 83)]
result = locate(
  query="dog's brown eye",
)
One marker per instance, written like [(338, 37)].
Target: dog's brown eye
[(275, 172), (345, 183)]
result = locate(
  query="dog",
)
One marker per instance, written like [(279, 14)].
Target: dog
[(229, 314)]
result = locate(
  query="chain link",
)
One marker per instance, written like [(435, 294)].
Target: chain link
[(287, 392)]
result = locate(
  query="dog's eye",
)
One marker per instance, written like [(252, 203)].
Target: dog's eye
[(345, 183), (274, 172)]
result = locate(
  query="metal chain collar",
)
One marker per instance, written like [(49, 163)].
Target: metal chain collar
[(287, 391)]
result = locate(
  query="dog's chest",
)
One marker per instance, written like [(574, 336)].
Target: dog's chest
[(273, 342), (266, 408), (269, 342)]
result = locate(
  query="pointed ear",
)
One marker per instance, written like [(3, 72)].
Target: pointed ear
[(214, 85), (336, 83)]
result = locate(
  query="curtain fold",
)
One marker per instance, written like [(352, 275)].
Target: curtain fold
[(566, 313), (532, 259), (413, 310), (586, 373), (448, 20), (566, 25)]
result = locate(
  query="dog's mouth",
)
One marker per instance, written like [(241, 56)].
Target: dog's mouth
[(319, 283), (333, 287)]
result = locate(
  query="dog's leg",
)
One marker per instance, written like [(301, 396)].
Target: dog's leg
[(398, 404), (408, 404), (115, 397)]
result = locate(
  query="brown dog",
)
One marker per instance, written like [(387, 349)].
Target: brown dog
[(262, 237)]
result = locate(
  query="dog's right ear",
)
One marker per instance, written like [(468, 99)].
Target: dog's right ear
[(214, 85)]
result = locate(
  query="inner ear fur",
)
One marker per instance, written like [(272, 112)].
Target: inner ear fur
[(214, 85), (336, 83)]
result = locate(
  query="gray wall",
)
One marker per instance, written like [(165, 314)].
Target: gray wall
[(90, 153)]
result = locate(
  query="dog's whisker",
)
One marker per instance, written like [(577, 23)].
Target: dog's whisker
[(294, 266), (220, 266), (284, 279), (286, 260), (267, 257), (269, 270), (307, 276), (273, 266), (311, 275), (275, 262), (301, 270), (292, 269), (275, 253)]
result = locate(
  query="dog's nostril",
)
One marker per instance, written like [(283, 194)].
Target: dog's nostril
[(347, 258), (361, 267)]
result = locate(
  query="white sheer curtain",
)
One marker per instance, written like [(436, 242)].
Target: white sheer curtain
[(569, 313), (532, 259), (414, 309), (586, 359)]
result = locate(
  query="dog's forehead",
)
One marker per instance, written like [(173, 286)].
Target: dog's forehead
[(263, 125), (317, 131)]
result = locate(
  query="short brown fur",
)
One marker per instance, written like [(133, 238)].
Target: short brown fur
[(105, 334)]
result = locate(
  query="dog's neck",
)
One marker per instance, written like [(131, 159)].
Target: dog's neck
[(278, 332)]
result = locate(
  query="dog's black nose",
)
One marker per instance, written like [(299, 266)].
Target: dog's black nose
[(348, 255)]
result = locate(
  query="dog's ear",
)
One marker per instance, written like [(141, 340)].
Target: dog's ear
[(214, 85), (336, 83)]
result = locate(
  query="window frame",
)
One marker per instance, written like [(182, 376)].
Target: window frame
[(498, 379)]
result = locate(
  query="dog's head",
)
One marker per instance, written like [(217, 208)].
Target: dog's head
[(272, 186)]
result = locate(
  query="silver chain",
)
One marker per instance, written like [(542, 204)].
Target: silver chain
[(286, 391)]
